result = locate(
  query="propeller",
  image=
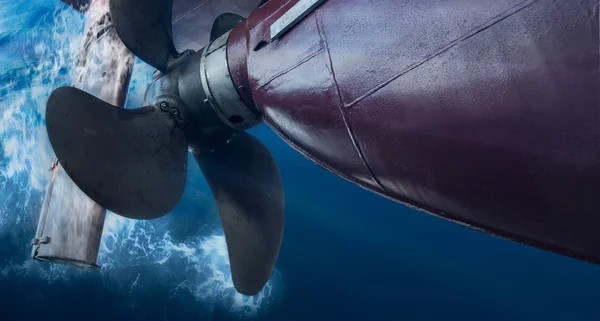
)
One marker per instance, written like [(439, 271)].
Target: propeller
[(224, 23), (133, 161), (145, 27), (247, 187)]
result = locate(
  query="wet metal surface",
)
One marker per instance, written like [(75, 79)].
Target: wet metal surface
[(220, 90), (144, 26), (246, 184), (481, 112), (70, 221), (193, 19), (131, 161)]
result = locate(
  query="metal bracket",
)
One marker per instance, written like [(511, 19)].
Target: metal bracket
[(53, 165), (220, 91), (289, 19), (43, 240)]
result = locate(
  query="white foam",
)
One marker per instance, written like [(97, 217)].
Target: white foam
[(206, 274), (201, 262)]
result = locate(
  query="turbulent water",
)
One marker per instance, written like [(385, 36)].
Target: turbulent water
[(347, 254), (184, 252)]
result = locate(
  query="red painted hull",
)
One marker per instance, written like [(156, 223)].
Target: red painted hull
[(484, 112)]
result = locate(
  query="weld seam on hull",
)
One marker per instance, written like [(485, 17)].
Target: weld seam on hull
[(340, 105), (300, 63), (499, 18)]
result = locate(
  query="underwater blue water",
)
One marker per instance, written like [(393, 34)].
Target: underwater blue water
[(347, 254)]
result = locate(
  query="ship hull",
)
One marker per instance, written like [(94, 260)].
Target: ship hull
[(481, 112)]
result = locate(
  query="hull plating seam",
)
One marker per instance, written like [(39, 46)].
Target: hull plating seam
[(300, 63), (340, 105), (503, 16), (304, 153), (341, 102), (443, 215)]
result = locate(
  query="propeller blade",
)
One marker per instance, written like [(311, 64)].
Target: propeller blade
[(130, 161), (224, 23), (247, 188), (144, 26)]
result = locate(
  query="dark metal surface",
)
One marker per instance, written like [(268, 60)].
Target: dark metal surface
[(144, 26), (130, 161), (221, 92), (481, 112), (247, 188), (240, 170), (205, 129), (223, 24), (194, 99), (193, 19)]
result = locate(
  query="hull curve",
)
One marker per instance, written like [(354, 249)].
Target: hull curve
[(481, 112)]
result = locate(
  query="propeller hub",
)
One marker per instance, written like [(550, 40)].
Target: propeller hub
[(221, 92), (201, 86), (134, 161)]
